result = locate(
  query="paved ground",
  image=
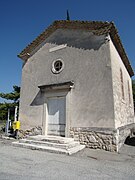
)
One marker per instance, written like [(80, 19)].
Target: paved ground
[(24, 164)]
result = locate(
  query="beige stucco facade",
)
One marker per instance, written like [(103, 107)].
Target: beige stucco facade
[(94, 108)]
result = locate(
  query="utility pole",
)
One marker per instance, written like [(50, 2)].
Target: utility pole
[(7, 123), (15, 115)]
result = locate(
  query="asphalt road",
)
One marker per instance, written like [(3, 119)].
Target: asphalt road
[(24, 164)]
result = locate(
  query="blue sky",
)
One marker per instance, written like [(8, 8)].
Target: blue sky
[(23, 20)]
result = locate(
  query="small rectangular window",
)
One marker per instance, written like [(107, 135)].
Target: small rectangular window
[(122, 84), (129, 93)]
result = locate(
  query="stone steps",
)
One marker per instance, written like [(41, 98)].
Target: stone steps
[(53, 139), (50, 144)]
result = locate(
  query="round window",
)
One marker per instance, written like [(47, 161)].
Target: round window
[(57, 66)]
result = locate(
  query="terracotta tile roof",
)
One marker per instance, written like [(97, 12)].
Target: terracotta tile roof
[(97, 27)]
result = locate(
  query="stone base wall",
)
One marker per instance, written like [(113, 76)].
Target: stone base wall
[(103, 138), (96, 138), (124, 132), (31, 132)]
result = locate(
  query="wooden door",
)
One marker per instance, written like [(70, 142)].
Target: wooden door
[(56, 116)]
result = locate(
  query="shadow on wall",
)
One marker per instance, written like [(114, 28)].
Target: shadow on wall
[(130, 141), (78, 39), (38, 100)]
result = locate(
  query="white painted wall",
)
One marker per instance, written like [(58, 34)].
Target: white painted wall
[(124, 111)]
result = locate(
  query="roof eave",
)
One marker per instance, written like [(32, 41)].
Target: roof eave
[(118, 44)]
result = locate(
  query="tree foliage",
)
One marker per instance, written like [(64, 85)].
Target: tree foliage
[(12, 100)]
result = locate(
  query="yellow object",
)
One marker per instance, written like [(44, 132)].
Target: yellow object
[(16, 125)]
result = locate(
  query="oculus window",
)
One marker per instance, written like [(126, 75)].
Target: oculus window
[(57, 66)]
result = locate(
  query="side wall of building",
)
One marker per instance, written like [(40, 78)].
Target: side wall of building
[(123, 98), (122, 90)]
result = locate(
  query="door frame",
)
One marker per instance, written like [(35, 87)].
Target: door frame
[(57, 121), (57, 93)]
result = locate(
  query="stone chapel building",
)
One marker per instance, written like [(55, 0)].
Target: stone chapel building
[(76, 82)]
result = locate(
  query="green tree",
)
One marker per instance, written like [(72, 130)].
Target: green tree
[(12, 101)]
